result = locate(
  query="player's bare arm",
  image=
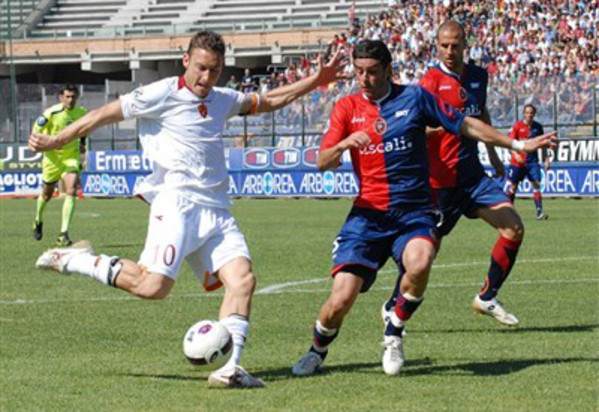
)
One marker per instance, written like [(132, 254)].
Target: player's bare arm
[(330, 158), (478, 130), (493, 158), (282, 96), (107, 114)]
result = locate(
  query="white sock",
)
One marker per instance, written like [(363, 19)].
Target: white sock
[(396, 321), (102, 268), (239, 326)]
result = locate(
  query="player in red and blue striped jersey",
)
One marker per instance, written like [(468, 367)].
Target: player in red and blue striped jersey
[(460, 185), (383, 127), (527, 165)]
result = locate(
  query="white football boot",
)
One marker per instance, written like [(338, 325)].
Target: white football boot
[(57, 258), (309, 364), (393, 356), (235, 377), (494, 309)]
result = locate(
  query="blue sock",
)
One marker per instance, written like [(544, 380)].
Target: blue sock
[(323, 337)]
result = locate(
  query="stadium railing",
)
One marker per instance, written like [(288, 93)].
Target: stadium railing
[(569, 106)]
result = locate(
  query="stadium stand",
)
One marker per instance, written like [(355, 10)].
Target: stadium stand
[(536, 51)]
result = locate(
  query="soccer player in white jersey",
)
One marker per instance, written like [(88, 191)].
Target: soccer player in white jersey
[(180, 125)]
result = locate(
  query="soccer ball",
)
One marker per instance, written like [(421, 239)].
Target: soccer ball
[(208, 344)]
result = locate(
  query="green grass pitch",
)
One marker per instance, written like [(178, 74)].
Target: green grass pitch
[(69, 343)]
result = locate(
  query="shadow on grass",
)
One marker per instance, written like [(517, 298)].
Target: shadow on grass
[(426, 367), (412, 368), (517, 329), (168, 377), (120, 245), (494, 368)]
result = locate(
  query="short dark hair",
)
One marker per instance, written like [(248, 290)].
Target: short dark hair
[(372, 49), (69, 88), (532, 106), (207, 40)]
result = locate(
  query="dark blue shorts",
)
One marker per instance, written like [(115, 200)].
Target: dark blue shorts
[(466, 200), (516, 174), (369, 237)]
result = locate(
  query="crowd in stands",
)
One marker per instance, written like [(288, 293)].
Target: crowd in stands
[(533, 49)]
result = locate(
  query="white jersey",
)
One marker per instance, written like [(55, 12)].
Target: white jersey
[(181, 134)]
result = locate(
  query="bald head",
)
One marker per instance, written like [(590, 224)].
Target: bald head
[(452, 26), (451, 42)]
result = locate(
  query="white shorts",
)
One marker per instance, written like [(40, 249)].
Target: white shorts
[(206, 237)]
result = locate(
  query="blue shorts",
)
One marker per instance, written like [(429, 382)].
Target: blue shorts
[(516, 174), (466, 200), (369, 237)]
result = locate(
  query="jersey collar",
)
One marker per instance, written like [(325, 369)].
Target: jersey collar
[(182, 85), (446, 70), (378, 102)]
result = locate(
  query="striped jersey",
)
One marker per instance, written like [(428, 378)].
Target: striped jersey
[(393, 168), (454, 160)]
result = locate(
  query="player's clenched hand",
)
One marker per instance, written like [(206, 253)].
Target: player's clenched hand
[(333, 69), (39, 142), (548, 140), (356, 140)]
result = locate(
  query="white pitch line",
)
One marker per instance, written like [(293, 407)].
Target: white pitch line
[(458, 285), (281, 287), (88, 214), (282, 291)]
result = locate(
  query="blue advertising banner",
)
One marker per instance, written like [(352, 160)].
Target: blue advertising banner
[(110, 184), (20, 183), (286, 172), (117, 161)]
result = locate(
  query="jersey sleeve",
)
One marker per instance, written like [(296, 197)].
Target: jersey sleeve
[(236, 100), (541, 130), (145, 101), (428, 83), (438, 113), (514, 132), (43, 124), (336, 128)]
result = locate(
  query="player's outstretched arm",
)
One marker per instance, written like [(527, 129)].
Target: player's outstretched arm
[(107, 114), (478, 130), (331, 157), (282, 96)]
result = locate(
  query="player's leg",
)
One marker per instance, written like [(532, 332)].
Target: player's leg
[(534, 175), (506, 220), (68, 207), (51, 173), (415, 251), (359, 250), (345, 291), (514, 177), (447, 215), (42, 200), (153, 277), (538, 198), (124, 274), (222, 258), (239, 283)]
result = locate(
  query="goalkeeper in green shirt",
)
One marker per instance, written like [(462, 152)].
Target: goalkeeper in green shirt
[(63, 163)]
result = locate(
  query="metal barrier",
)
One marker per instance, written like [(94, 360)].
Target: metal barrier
[(569, 106)]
